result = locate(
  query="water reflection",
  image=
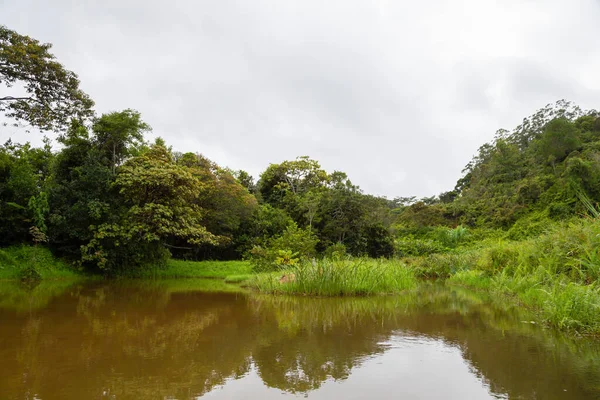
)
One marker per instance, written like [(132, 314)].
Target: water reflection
[(148, 340)]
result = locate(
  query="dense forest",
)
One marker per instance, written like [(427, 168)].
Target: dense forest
[(108, 200)]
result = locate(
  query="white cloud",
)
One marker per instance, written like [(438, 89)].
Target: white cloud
[(397, 94)]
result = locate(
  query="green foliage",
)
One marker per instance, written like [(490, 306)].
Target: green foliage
[(413, 247), (559, 138), (158, 201), (282, 185), (336, 252), (591, 208), (378, 241), (557, 273), (53, 96), (119, 134), (453, 237), (531, 226), (229, 210), (24, 176), (38, 206), (114, 204), (293, 245), (338, 278), (541, 164), (32, 262)]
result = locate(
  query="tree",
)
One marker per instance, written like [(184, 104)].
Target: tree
[(117, 133), (560, 137), (158, 199), (52, 97), (286, 182), (227, 205), (82, 193), (246, 180)]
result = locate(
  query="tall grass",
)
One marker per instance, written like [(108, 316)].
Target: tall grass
[(339, 278), (557, 273)]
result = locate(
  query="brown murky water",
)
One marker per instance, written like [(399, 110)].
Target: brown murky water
[(191, 339)]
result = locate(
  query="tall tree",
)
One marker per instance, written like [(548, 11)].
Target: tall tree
[(117, 133), (52, 95), (158, 200)]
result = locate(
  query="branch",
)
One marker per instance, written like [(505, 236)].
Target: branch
[(11, 98), (177, 247)]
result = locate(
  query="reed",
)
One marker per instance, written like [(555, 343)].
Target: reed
[(362, 277)]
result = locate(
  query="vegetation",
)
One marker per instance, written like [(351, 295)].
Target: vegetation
[(556, 273), (229, 270), (339, 278), (522, 220), (51, 95), (33, 263)]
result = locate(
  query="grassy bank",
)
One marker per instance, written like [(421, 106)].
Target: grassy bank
[(28, 262), (33, 263), (556, 273), (230, 271), (338, 278)]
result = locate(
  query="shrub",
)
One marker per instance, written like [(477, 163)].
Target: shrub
[(409, 246), (528, 227), (442, 265), (453, 237), (336, 251), (293, 245)]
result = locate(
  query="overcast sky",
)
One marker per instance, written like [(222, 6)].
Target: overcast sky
[(398, 94)]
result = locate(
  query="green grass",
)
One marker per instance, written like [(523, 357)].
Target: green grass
[(28, 262), (338, 278), (559, 302), (556, 274), (238, 278), (197, 269)]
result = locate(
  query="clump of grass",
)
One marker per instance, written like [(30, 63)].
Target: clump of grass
[(339, 278), (573, 307)]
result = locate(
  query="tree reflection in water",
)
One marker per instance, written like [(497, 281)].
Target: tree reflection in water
[(168, 340)]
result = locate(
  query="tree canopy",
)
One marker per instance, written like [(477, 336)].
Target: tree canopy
[(52, 95)]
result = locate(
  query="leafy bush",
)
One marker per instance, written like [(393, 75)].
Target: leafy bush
[(410, 246), (293, 245), (336, 251), (453, 237), (442, 265), (530, 226)]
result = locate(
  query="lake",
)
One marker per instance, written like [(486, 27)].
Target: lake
[(189, 339)]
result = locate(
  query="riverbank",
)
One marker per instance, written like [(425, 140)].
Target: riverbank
[(33, 263), (38, 263), (555, 274), (229, 271)]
